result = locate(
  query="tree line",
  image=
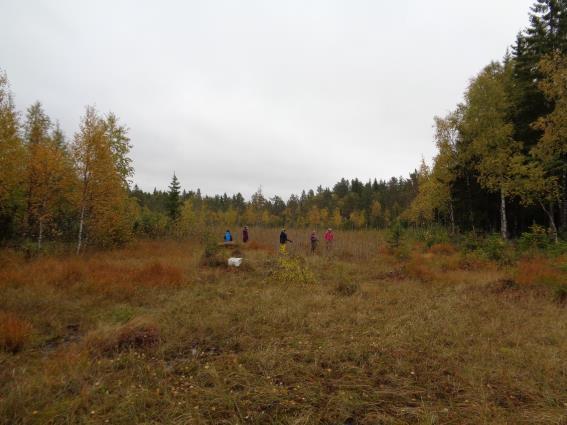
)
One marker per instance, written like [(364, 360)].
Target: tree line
[(502, 153), (349, 204)]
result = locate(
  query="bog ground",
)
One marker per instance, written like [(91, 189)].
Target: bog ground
[(156, 333)]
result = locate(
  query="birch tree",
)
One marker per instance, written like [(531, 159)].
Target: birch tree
[(486, 122), (105, 211)]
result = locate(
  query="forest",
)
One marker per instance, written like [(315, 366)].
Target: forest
[(501, 166)]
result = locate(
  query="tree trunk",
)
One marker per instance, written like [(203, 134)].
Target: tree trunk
[(563, 205), (503, 221), (81, 222), (452, 217), (40, 235), (550, 215), (471, 213)]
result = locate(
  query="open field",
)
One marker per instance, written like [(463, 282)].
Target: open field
[(153, 333)]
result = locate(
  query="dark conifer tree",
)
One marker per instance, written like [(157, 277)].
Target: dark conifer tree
[(173, 199), (546, 33)]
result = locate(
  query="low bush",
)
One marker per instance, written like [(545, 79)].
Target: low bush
[(290, 269), (418, 268), (394, 236), (434, 235), (212, 256), (14, 332), (536, 238)]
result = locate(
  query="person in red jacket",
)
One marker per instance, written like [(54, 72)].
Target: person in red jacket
[(329, 236), (245, 234)]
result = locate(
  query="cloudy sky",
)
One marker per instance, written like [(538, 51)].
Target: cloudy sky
[(232, 95)]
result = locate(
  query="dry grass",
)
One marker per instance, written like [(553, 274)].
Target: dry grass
[(14, 332), (146, 335), (538, 271), (140, 334)]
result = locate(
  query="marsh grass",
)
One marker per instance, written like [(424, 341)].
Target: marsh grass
[(145, 334)]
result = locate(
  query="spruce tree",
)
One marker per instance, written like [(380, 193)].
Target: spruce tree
[(173, 199), (547, 33)]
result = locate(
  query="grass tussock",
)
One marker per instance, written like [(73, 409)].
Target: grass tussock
[(139, 333), (346, 289), (14, 332), (443, 249)]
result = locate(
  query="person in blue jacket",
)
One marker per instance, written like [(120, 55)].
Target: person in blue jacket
[(228, 236)]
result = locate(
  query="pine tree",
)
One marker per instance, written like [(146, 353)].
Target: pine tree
[(173, 199), (546, 34)]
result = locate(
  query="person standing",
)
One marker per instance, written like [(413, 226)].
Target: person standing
[(245, 234), (283, 240), (329, 237), (314, 242), (227, 236)]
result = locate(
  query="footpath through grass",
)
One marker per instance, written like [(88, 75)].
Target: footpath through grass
[(150, 335)]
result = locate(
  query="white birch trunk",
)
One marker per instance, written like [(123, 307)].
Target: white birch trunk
[(503, 220), (81, 221)]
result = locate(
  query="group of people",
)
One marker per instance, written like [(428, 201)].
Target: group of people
[(328, 237), (228, 235)]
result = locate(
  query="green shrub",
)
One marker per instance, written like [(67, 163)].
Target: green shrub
[(494, 248), (470, 242), (211, 245), (395, 235), (433, 235), (536, 238), (211, 254)]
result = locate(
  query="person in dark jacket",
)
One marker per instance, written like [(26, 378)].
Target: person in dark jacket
[(314, 242), (245, 234), (283, 240)]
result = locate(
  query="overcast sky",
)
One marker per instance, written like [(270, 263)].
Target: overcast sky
[(232, 95)]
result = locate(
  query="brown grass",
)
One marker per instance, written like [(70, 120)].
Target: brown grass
[(140, 333), (538, 271), (255, 245), (443, 249), (14, 332), (145, 335)]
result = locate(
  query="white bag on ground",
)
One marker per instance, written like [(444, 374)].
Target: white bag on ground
[(234, 262)]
